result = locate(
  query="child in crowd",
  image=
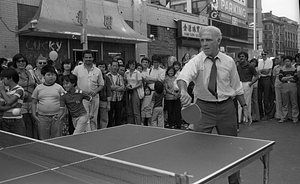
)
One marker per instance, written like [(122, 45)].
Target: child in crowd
[(72, 99), (46, 105), (146, 107), (11, 102), (139, 67), (105, 97), (157, 105)]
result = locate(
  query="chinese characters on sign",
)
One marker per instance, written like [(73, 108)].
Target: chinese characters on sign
[(190, 30)]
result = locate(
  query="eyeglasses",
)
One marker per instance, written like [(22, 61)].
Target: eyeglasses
[(42, 63), (20, 61), (263, 54)]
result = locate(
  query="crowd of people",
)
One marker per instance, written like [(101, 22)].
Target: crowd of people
[(46, 102), (93, 94)]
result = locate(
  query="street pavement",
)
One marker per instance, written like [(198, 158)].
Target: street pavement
[(284, 158)]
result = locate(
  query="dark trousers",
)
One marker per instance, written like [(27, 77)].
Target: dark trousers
[(221, 116), (174, 113), (115, 115), (264, 87), (16, 126)]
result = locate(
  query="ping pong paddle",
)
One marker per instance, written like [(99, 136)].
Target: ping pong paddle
[(191, 114)]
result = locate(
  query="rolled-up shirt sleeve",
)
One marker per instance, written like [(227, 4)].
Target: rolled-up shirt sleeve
[(189, 72)]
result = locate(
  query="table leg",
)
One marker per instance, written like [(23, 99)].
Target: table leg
[(266, 163)]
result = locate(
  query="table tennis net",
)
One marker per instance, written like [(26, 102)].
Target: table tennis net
[(86, 167)]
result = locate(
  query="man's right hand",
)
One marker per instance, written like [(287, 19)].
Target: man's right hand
[(185, 98)]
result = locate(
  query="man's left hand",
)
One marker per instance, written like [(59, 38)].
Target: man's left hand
[(248, 118)]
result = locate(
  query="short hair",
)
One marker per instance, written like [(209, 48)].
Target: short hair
[(159, 87), (297, 55), (139, 64), (17, 57), (215, 31), (265, 52), (87, 52), (243, 53), (288, 57), (2, 60), (120, 58), (177, 63), (50, 62), (10, 73), (41, 57), (102, 63), (48, 68), (131, 61), (254, 60), (156, 58), (67, 61), (145, 59), (70, 78), (115, 61)]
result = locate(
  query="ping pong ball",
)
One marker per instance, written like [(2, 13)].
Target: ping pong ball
[(16, 111)]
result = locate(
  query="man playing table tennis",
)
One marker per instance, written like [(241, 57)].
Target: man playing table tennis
[(216, 82)]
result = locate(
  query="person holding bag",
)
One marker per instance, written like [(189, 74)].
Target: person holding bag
[(134, 81)]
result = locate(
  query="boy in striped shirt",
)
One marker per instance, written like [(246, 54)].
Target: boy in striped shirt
[(11, 102)]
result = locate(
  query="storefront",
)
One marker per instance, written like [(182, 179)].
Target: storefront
[(188, 38), (57, 26)]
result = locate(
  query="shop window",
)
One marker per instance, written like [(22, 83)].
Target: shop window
[(154, 30)]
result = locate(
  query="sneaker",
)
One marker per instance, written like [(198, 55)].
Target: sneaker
[(281, 121), (295, 122)]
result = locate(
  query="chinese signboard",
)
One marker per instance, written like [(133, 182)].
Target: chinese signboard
[(188, 29)]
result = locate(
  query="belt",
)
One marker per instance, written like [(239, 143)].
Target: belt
[(289, 82), (214, 102), (48, 116), (264, 76)]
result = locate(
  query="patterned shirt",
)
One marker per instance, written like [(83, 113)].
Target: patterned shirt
[(73, 101), (15, 91), (116, 95)]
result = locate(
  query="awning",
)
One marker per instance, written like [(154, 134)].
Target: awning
[(58, 18)]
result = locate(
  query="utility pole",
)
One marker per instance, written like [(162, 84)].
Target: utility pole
[(83, 37), (254, 27)]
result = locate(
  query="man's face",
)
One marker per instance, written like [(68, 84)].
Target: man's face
[(242, 58), (88, 59), (264, 56), (122, 70), (114, 67), (155, 64), (209, 43)]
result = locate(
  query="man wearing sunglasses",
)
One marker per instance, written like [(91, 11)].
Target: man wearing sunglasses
[(265, 66)]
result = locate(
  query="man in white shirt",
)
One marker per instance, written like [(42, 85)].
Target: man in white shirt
[(90, 81), (264, 67), (156, 73)]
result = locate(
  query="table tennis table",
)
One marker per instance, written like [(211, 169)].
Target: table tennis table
[(130, 154)]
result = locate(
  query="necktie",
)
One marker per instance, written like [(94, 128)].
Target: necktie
[(212, 85)]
